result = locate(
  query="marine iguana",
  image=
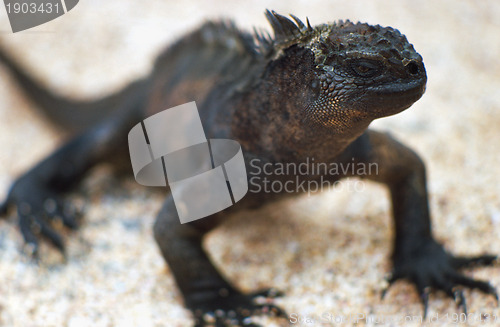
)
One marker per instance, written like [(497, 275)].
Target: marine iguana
[(307, 92)]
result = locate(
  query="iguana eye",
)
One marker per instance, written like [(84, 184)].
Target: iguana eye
[(365, 68)]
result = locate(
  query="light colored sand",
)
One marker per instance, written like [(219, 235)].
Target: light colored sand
[(329, 253)]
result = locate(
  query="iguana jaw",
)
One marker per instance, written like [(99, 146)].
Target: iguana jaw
[(349, 109), (390, 99)]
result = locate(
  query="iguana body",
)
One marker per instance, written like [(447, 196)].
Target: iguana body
[(307, 93)]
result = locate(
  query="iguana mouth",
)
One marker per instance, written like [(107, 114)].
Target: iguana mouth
[(392, 98), (399, 91)]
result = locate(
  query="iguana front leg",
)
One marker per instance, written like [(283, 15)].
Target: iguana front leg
[(210, 297), (38, 193), (417, 256)]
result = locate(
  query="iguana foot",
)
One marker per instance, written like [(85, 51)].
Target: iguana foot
[(235, 309), (40, 211), (430, 267)]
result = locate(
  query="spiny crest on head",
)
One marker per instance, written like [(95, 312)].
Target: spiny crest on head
[(343, 37), (286, 31), (327, 40)]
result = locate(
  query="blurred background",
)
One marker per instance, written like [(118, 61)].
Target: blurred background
[(328, 253)]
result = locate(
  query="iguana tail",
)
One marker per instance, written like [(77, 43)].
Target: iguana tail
[(71, 115)]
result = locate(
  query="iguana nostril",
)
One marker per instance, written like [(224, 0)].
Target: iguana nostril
[(412, 68)]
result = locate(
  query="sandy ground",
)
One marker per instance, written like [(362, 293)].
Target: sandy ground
[(328, 253)]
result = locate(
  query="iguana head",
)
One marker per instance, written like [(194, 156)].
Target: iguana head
[(362, 72)]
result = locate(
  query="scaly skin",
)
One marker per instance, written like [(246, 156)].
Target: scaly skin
[(309, 92)]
